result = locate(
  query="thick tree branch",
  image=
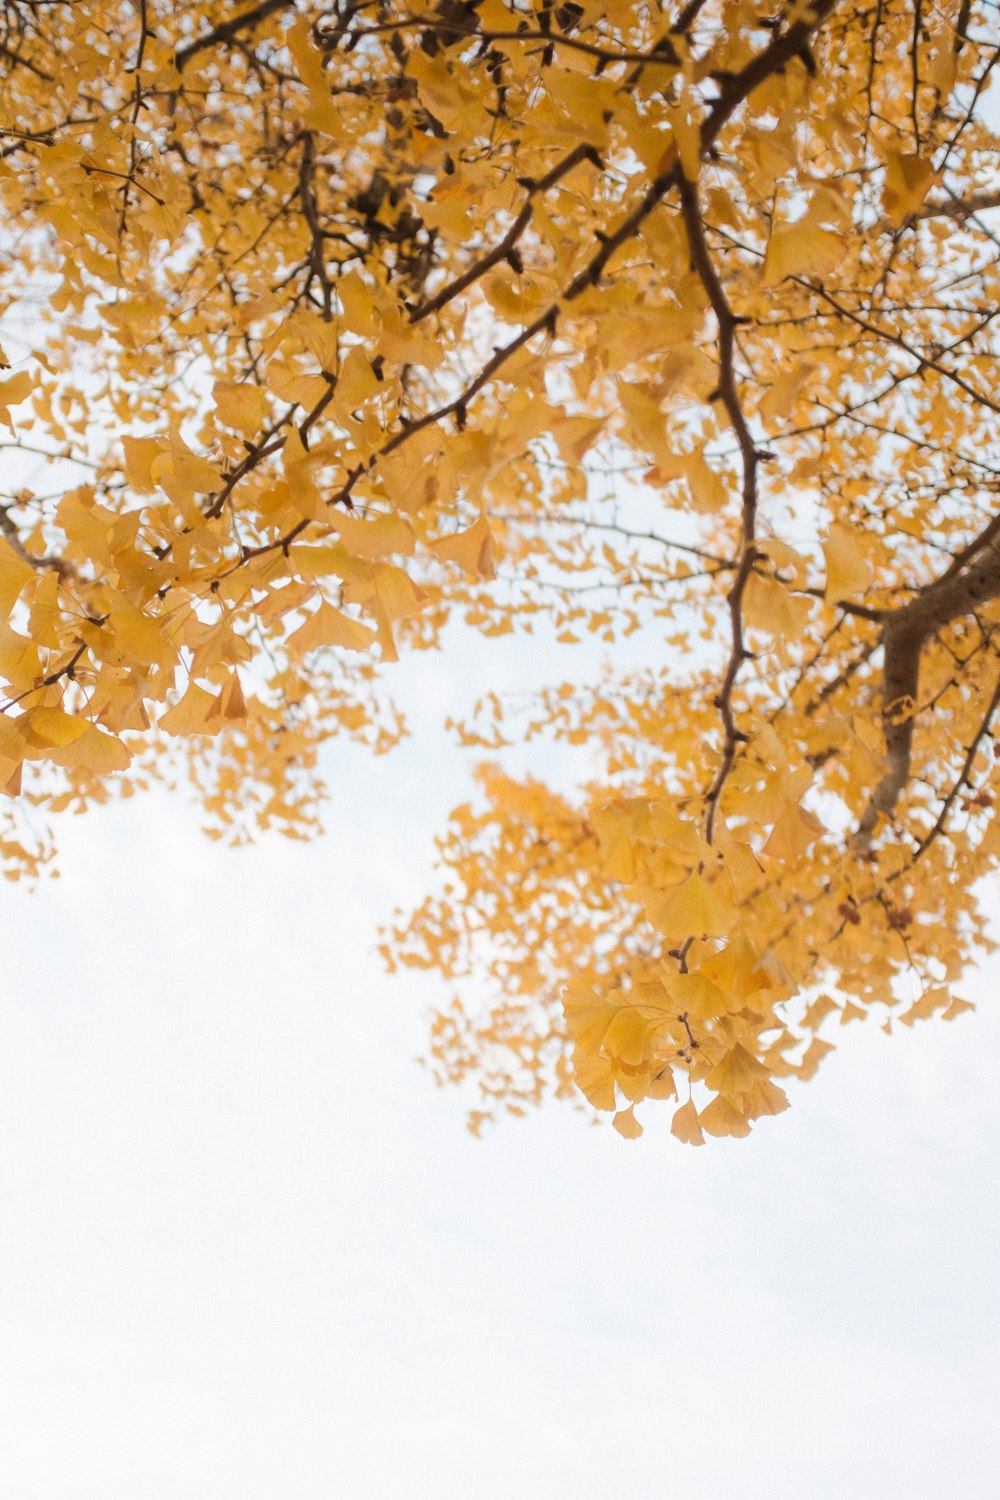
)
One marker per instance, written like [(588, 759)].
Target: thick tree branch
[(227, 30), (904, 634), (959, 208)]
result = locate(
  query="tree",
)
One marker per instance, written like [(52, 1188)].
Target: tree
[(315, 313)]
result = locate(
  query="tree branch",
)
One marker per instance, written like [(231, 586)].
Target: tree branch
[(904, 634), (227, 30)]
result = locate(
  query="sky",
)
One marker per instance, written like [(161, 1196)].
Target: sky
[(248, 1251)]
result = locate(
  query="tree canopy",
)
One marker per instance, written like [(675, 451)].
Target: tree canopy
[(325, 322)]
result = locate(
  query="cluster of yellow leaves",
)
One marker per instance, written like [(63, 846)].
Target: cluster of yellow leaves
[(663, 328)]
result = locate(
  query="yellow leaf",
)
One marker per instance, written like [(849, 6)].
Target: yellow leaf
[(190, 714), (933, 999), (309, 63), (137, 636), (357, 304), (813, 1056), (695, 909), (10, 779), (51, 727), (243, 406), (94, 751), (587, 1014), (595, 1078), (736, 968), (13, 745), (140, 454), (12, 392), (471, 549), (793, 832), (697, 996), (14, 574), (626, 1124), (778, 401), (375, 538), (646, 421), (908, 180), (768, 606), (687, 135), (848, 573), (661, 1085), (801, 250), (628, 1037), (331, 627), (685, 1125), (766, 1098), (723, 1118), (396, 591), (443, 92), (737, 1073), (230, 703)]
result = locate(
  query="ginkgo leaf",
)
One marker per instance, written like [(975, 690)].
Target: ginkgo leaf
[(595, 1078), (375, 538), (94, 751), (695, 908), (722, 1118), (14, 390), (908, 180), (766, 1098), (192, 713), (626, 1124), (771, 607), (229, 703), (241, 405), (13, 745), (801, 250), (587, 1015), (686, 1126), (628, 1036), (813, 1056), (327, 626), (140, 454), (661, 1085), (14, 574), (138, 636), (11, 779), (848, 573), (471, 549), (309, 63), (737, 1073), (794, 831), (51, 727), (646, 420), (736, 968), (687, 138), (780, 397), (934, 998), (696, 996), (396, 591)]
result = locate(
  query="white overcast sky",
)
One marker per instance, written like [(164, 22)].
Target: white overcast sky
[(248, 1252)]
